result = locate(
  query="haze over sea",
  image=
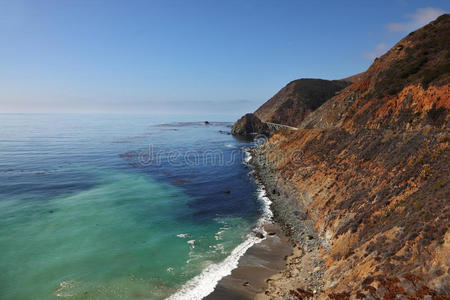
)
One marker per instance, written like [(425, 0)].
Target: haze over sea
[(120, 206)]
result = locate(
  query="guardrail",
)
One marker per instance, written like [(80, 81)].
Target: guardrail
[(275, 126)]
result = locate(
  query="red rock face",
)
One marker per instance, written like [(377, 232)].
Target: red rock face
[(375, 164)]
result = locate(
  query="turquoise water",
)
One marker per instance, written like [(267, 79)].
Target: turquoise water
[(89, 211)]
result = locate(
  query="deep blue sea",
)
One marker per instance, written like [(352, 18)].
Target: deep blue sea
[(121, 206)]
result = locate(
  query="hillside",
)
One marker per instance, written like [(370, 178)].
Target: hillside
[(363, 185), (298, 99), (416, 67), (290, 106)]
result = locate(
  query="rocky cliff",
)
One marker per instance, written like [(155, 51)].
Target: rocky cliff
[(363, 185), (249, 126)]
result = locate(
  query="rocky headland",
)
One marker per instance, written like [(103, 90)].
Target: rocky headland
[(249, 126)]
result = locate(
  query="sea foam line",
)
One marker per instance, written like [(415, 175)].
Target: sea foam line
[(203, 284)]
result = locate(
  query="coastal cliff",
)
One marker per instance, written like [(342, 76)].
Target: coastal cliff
[(362, 186), (290, 106)]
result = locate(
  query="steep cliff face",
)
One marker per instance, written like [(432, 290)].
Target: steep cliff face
[(298, 99), (371, 171)]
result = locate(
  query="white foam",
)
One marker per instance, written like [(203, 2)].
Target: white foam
[(219, 248), (203, 284), (219, 235), (247, 157), (65, 287), (191, 243), (267, 214)]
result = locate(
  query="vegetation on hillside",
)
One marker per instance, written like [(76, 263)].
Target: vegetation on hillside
[(427, 61), (298, 99)]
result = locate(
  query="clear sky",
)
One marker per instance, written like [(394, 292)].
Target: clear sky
[(180, 56)]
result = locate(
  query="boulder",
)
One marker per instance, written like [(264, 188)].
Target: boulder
[(259, 235), (249, 126)]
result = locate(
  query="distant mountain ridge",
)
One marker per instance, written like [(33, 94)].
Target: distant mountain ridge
[(298, 99), (290, 106)]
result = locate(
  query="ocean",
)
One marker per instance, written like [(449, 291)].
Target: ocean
[(122, 206)]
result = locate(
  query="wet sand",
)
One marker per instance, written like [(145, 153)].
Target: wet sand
[(259, 263)]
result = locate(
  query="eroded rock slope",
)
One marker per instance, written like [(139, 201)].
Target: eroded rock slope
[(369, 170)]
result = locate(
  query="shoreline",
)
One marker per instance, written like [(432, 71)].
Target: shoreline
[(268, 269), (256, 266), (263, 259), (253, 258), (289, 237), (284, 250)]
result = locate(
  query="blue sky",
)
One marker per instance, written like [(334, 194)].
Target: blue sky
[(180, 56)]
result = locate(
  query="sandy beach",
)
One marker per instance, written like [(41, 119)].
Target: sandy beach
[(260, 262)]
